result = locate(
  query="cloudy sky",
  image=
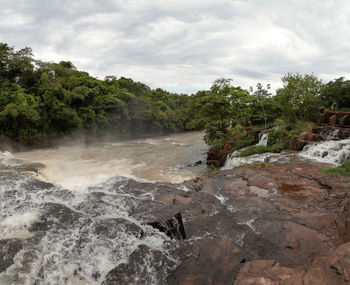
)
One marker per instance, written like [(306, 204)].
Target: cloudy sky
[(185, 45)]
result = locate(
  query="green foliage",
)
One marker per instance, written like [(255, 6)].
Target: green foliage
[(258, 149), (284, 134), (342, 170), (238, 137), (39, 99), (336, 94), (254, 149), (299, 99)]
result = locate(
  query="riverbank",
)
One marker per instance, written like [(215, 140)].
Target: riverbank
[(266, 224), (273, 222)]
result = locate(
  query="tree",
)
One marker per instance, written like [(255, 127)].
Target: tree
[(261, 95), (19, 115), (299, 99), (336, 94)]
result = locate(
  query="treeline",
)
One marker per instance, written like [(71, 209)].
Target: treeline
[(44, 99), (40, 99)]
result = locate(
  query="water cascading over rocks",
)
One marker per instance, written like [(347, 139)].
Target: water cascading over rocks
[(332, 152)]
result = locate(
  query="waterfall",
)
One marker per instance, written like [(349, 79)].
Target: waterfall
[(333, 152), (233, 160), (330, 133), (263, 139)]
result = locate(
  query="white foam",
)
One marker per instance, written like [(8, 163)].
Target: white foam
[(332, 152), (16, 226), (263, 139), (235, 161), (25, 219)]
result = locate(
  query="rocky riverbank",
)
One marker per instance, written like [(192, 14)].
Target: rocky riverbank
[(275, 224)]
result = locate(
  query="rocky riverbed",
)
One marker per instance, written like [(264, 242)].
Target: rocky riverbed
[(276, 223)]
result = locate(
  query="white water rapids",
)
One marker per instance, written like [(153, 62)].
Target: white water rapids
[(333, 152), (78, 229)]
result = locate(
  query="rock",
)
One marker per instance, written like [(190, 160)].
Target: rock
[(173, 228), (342, 120), (321, 119), (198, 162), (304, 136), (217, 158), (145, 266), (333, 120), (214, 162), (299, 145), (8, 250)]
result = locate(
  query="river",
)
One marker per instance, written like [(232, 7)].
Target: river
[(69, 214), (168, 158), (105, 213)]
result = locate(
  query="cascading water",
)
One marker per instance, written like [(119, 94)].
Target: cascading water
[(332, 152), (54, 234), (330, 133), (234, 160), (263, 139)]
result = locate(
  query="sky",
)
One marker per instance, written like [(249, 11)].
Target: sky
[(183, 46)]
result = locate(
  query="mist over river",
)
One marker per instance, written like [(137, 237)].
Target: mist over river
[(168, 158)]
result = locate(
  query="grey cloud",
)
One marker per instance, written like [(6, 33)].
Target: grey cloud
[(185, 45)]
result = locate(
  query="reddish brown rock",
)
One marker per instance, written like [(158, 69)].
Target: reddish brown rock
[(321, 119), (304, 136), (281, 224), (333, 120), (342, 120)]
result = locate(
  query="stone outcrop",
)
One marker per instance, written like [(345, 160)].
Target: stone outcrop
[(331, 125), (216, 157), (173, 227), (276, 224), (307, 138), (339, 118)]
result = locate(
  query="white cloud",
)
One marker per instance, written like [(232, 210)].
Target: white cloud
[(185, 45)]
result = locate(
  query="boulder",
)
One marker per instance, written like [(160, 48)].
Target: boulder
[(173, 228), (342, 120), (304, 136), (333, 120)]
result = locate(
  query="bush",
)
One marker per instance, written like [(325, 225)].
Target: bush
[(284, 134), (343, 170), (254, 149), (238, 137)]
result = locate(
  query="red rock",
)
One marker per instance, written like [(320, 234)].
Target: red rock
[(342, 120), (333, 120), (304, 136)]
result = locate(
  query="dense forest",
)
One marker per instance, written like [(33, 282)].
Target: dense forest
[(40, 100)]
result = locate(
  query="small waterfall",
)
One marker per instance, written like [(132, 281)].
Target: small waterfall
[(330, 133), (332, 152), (263, 139), (233, 160)]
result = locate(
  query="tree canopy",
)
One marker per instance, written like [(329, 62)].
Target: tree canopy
[(42, 99)]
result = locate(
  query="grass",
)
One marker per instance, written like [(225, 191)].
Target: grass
[(258, 149), (260, 164), (343, 170), (254, 149)]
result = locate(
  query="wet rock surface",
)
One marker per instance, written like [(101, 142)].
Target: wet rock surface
[(262, 224)]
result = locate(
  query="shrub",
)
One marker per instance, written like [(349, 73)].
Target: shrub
[(254, 149), (343, 170)]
